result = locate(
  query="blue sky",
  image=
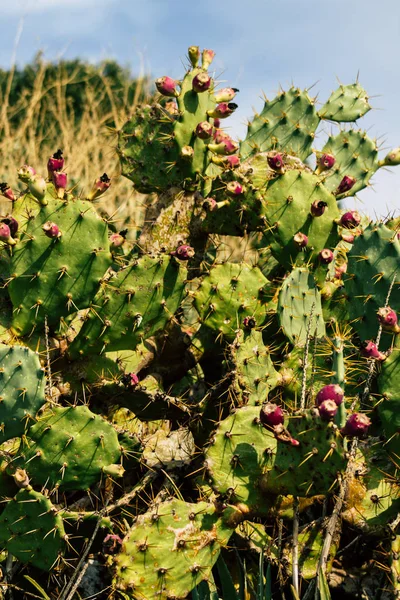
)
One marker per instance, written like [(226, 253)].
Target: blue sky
[(259, 43)]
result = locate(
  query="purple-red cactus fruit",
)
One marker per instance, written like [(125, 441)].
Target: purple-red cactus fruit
[(340, 269), (350, 219), (5, 235), (300, 239), (222, 110), (225, 147), (100, 186), (356, 425), (194, 55), (55, 162), (233, 161), (225, 95), (348, 237), (12, 223), (327, 410), (206, 58), (271, 415), (25, 173), (326, 256), (345, 185), (7, 192), (276, 162), (52, 230), (204, 130), (60, 182), (370, 350), (326, 161), (388, 319), (249, 322), (318, 208), (183, 252), (332, 391), (167, 86), (116, 240), (210, 204), (201, 82), (234, 188)]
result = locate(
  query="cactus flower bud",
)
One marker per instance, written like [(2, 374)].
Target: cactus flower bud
[(345, 185), (370, 350), (326, 256), (25, 173), (194, 55), (350, 219), (225, 147), (225, 95), (271, 415), (393, 158), (55, 162), (201, 82), (249, 322), (332, 391), (356, 425), (12, 223), (60, 182), (183, 252), (204, 130), (51, 230), (222, 110), (318, 208), (116, 240), (37, 187), (275, 162), (300, 239), (327, 410), (206, 58), (234, 188), (388, 319), (325, 162), (6, 191), (167, 86), (5, 235), (100, 186)]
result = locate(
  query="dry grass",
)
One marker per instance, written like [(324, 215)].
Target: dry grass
[(89, 148)]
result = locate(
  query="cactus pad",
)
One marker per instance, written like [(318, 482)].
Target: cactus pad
[(347, 103)]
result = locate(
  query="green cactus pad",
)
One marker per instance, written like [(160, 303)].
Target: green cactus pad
[(69, 448), (242, 450), (288, 122), (373, 264), (229, 293), (389, 406), (31, 530), (297, 298), (356, 155), (170, 549), (132, 306), (347, 103), (22, 384), (55, 277)]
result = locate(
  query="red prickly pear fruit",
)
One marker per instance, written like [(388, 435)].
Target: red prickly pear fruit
[(112, 543), (5, 235), (340, 268), (201, 82), (275, 162), (348, 237), (318, 208), (387, 317), (100, 186), (55, 162), (350, 219), (345, 185), (194, 55), (130, 379), (233, 161), (210, 204), (225, 95), (217, 123), (370, 350), (222, 110), (7, 192), (25, 173), (225, 147), (300, 239), (356, 425), (219, 136), (327, 410), (294, 442), (229, 162), (326, 162), (134, 379), (249, 322), (37, 187), (60, 182), (206, 58), (204, 130), (167, 86), (183, 252), (326, 256), (332, 391), (116, 240), (271, 415), (52, 230), (12, 223), (234, 188)]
